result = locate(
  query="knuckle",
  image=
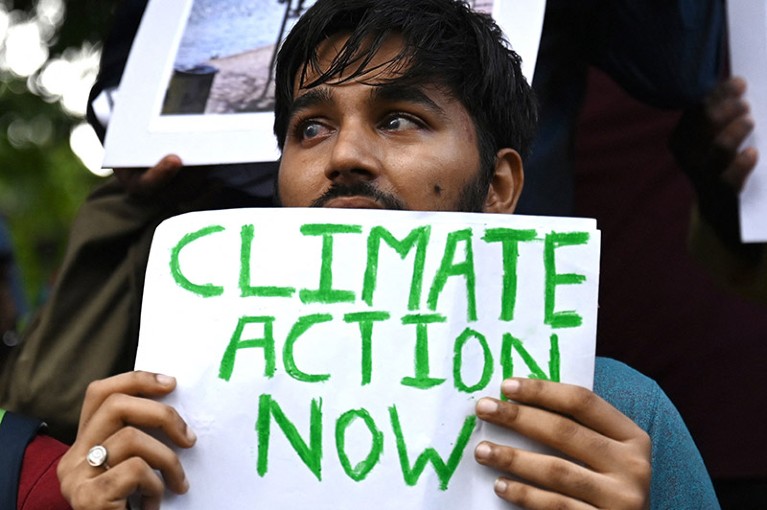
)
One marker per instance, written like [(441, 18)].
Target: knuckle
[(558, 473), (566, 430), (582, 399), (508, 412), (168, 415), (505, 458), (129, 435)]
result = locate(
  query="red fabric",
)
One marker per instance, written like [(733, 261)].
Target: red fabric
[(660, 312), (38, 484)]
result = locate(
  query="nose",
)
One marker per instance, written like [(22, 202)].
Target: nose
[(355, 156)]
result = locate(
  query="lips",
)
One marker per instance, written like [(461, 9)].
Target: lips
[(354, 202)]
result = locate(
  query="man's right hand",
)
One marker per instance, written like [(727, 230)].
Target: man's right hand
[(116, 412)]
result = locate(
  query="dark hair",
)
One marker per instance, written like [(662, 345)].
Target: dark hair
[(445, 44)]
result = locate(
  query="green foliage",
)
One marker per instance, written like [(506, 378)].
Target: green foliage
[(42, 182)]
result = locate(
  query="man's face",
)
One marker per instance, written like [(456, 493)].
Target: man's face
[(358, 145)]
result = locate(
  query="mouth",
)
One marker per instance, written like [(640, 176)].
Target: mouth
[(355, 202)]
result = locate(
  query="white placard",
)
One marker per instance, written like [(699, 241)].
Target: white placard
[(320, 353), (748, 47), (139, 133)]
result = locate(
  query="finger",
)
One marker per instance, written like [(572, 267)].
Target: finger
[(533, 498), (130, 442), (131, 383), (120, 410), (585, 406), (111, 488), (546, 471), (738, 171), (733, 134), (149, 181), (555, 431)]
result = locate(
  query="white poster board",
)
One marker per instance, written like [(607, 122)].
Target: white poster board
[(333, 360), (182, 45), (748, 47)]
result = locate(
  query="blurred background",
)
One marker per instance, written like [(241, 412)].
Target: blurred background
[(49, 157)]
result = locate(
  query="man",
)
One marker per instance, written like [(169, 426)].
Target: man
[(395, 104)]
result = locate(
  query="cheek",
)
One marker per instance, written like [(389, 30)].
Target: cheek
[(294, 183)]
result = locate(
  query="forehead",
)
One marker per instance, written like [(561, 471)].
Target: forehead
[(383, 66)]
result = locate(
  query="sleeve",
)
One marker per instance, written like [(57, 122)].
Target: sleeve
[(39, 485), (88, 329), (742, 268), (680, 480), (667, 53)]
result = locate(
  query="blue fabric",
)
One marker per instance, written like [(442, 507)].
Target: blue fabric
[(15, 434), (679, 480)]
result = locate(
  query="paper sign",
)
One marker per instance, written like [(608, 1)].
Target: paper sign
[(748, 46), (333, 358), (198, 80)]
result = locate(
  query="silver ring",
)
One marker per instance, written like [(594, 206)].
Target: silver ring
[(97, 456)]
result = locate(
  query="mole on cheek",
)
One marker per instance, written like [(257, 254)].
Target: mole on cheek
[(437, 189)]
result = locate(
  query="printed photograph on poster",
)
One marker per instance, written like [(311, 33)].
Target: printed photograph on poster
[(199, 81)]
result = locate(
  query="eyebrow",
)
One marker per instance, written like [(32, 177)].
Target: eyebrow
[(394, 92), (387, 92), (316, 96)]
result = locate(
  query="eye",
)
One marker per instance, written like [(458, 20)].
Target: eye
[(400, 122), (311, 129)]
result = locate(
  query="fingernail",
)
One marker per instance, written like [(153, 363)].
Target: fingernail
[(501, 486), (185, 485), (165, 380), (510, 386), (487, 406), (483, 451), (190, 435)]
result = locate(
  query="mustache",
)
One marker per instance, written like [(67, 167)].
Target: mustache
[(360, 189)]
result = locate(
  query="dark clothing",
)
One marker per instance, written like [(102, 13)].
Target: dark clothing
[(664, 52)]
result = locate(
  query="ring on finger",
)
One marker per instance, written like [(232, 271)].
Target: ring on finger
[(97, 456)]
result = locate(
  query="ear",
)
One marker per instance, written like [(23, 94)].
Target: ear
[(506, 183)]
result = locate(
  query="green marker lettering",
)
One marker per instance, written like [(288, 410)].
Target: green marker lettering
[(298, 329), (206, 289), (449, 268), (511, 344), (236, 343), (361, 470), (326, 293), (310, 454), (247, 290), (510, 239), (421, 379), (562, 319), (418, 237), (366, 320), (443, 469), (487, 366)]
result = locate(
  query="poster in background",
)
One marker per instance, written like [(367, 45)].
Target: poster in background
[(329, 360), (748, 50), (198, 82)]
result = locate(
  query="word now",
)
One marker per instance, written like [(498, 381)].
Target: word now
[(311, 453)]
